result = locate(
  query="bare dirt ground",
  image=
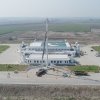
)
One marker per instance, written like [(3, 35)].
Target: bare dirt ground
[(29, 36), (49, 92)]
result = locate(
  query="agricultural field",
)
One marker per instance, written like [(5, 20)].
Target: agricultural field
[(4, 29), (60, 27), (12, 67), (96, 48), (3, 48), (72, 31), (86, 68), (71, 27)]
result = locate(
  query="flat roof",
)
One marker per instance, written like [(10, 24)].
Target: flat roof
[(36, 44), (51, 43), (50, 56)]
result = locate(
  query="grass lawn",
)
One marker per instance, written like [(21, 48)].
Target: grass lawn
[(12, 67), (3, 48), (86, 68), (97, 48)]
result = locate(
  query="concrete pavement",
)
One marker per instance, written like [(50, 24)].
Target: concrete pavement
[(31, 78), (90, 57), (10, 56)]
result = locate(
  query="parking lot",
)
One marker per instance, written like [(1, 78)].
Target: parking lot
[(90, 56)]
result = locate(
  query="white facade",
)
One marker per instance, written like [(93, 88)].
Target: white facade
[(53, 59), (59, 53), (56, 47)]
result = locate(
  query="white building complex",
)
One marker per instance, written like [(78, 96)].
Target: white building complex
[(56, 47), (60, 52)]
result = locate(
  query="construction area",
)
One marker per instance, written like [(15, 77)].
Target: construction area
[(58, 75)]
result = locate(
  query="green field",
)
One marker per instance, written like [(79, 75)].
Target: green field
[(12, 67), (69, 27), (3, 48), (97, 48), (60, 27), (4, 29), (86, 68)]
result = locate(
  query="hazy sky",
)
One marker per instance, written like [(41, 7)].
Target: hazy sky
[(49, 8)]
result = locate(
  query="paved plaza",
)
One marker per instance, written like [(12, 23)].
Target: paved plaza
[(11, 55)]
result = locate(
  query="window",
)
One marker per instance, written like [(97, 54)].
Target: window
[(71, 49), (51, 61), (29, 61), (43, 61), (60, 61), (57, 62), (69, 61), (54, 61), (34, 61), (65, 61)]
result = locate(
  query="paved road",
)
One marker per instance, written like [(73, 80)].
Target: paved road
[(30, 78), (10, 56), (66, 81)]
